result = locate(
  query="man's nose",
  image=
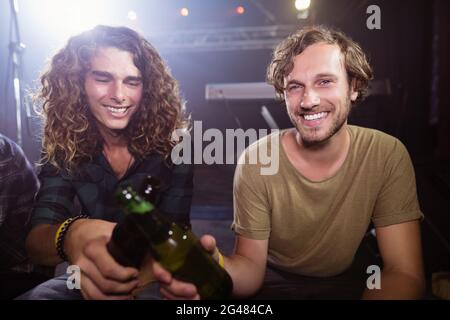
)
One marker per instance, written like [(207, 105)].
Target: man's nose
[(310, 99), (117, 93)]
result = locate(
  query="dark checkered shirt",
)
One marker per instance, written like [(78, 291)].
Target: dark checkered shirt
[(91, 190), (18, 186)]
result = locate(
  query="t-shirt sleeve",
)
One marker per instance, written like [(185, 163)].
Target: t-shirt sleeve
[(251, 207), (397, 201)]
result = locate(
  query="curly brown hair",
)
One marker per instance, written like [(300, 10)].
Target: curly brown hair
[(355, 61), (70, 134)]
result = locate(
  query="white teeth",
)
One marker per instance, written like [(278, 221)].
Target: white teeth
[(316, 116), (117, 110)]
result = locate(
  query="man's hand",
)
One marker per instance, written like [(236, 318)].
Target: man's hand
[(102, 277), (174, 289)]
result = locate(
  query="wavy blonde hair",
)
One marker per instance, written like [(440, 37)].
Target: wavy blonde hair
[(355, 61), (70, 134)]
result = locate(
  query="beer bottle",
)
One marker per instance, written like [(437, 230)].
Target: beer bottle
[(129, 244), (177, 249)]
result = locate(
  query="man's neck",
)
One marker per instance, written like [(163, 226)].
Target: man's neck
[(115, 150), (113, 139), (321, 161)]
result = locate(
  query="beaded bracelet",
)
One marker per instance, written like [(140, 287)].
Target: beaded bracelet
[(61, 233)]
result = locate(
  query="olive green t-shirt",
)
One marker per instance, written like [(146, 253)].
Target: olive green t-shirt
[(315, 228)]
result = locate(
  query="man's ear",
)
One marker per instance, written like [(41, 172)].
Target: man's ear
[(353, 93)]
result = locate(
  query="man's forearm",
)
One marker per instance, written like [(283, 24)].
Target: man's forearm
[(40, 245), (247, 276), (396, 286)]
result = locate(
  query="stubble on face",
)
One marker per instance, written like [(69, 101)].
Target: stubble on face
[(311, 137)]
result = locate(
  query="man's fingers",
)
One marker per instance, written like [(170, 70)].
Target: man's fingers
[(91, 292), (178, 290), (182, 289), (161, 274), (108, 267), (172, 288), (170, 296), (107, 286)]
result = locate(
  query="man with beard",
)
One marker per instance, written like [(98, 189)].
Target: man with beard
[(298, 231)]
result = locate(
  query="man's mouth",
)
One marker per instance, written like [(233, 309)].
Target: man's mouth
[(116, 110), (314, 116)]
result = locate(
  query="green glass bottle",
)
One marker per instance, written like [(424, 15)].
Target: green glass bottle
[(176, 248), (129, 242)]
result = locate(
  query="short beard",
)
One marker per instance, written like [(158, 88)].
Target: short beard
[(336, 126), (316, 144)]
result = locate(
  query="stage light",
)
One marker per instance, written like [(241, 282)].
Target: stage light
[(303, 8), (240, 10), (132, 15), (16, 5), (66, 18), (302, 5), (184, 12)]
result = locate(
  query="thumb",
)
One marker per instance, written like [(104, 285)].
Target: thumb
[(209, 243)]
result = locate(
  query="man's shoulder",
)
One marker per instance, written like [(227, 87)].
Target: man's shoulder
[(11, 155), (261, 158), (7, 148), (377, 146), (368, 136), (256, 152), (265, 143)]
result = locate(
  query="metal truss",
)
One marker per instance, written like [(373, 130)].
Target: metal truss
[(242, 38)]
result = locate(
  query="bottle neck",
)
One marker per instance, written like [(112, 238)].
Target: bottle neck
[(149, 220)]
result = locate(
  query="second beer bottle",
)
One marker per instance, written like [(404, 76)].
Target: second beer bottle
[(176, 248)]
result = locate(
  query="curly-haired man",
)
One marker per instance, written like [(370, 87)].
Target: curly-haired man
[(110, 109)]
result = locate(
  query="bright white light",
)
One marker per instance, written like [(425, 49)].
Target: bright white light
[(301, 5), (184, 12), (68, 17), (16, 6), (132, 15)]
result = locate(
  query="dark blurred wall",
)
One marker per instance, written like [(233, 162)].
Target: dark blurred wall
[(442, 76), (400, 52)]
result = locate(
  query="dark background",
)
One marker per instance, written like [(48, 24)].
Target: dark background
[(411, 50)]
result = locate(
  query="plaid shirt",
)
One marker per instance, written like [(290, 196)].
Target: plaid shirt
[(18, 186), (90, 191)]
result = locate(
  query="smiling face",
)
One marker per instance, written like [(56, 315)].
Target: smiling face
[(317, 93), (113, 87)]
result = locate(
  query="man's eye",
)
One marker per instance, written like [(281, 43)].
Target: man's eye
[(325, 82), (101, 80), (294, 87), (134, 83)]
